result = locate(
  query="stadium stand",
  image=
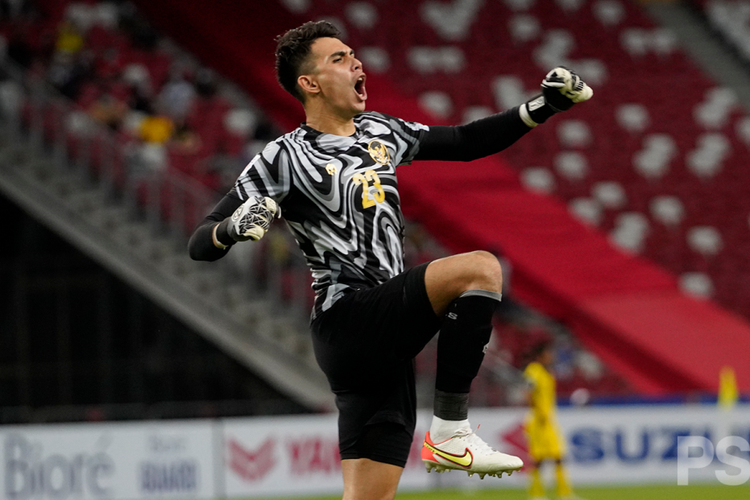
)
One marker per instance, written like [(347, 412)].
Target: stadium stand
[(579, 277), (660, 180), (615, 175)]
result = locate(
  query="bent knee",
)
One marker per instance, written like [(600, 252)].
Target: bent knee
[(486, 272)]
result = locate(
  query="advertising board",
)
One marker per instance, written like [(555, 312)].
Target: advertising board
[(115, 461), (298, 455)]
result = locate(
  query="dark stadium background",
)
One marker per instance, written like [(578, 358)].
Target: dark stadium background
[(79, 342)]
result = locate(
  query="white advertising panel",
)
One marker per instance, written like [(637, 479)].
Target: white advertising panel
[(640, 443), (295, 456), (299, 455), (113, 461), (281, 456), (619, 444)]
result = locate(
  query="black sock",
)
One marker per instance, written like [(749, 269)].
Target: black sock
[(464, 335), (451, 406)]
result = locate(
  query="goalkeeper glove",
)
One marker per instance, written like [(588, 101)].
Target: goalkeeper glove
[(250, 221), (561, 88)]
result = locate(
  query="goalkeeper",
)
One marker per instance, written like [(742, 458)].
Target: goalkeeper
[(334, 180)]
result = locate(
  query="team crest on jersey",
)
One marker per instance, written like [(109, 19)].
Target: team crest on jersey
[(379, 152)]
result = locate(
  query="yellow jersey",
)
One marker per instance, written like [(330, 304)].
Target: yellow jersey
[(541, 423), (543, 398)]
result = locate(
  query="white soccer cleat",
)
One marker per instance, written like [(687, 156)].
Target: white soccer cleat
[(468, 452)]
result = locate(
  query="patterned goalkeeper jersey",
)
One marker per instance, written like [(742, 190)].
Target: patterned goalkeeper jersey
[(339, 196)]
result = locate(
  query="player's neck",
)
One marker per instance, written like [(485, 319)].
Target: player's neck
[(326, 121)]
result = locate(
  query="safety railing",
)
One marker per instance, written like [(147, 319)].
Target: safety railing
[(170, 203)]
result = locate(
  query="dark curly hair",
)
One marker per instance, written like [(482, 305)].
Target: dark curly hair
[(293, 49)]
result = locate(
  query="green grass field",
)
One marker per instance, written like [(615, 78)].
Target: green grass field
[(702, 492)]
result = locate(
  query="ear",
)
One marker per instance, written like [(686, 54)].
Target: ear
[(308, 84)]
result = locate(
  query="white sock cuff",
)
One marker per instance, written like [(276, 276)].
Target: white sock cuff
[(440, 429)]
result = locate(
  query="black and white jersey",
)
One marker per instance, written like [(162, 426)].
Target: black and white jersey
[(339, 196)]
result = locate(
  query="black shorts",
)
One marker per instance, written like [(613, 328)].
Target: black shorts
[(366, 344)]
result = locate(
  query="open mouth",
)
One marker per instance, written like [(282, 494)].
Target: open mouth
[(359, 87)]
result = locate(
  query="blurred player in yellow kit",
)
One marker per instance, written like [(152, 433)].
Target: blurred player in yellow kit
[(545, 440)]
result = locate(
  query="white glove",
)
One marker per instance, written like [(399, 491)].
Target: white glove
[(562, 88), (251, 220)]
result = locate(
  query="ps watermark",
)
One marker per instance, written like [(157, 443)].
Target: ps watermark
[(698, 452)]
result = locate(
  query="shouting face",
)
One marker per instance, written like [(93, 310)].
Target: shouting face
[(335, 78)]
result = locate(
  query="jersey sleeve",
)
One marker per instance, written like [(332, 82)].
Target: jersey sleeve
[(268, 174), (473, 140)]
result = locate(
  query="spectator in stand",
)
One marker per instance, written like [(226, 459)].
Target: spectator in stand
[(185, 140), (176, 96), (109, 109), (545, 441), (140, 100), (68, 71), (156, 128), (71, 64), (205, 83), (69, 38)]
